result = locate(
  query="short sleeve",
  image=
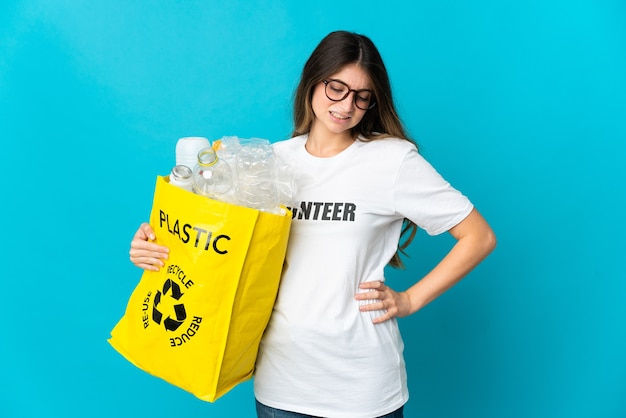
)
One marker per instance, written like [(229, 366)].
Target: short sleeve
[(422, 195)]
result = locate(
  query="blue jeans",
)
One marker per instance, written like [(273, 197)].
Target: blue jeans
[(263, 411)]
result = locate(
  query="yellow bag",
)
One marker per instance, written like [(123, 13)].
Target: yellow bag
[(197, 323)]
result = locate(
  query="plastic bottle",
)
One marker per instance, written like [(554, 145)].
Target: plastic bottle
[(211, 176), (285, 183), (256, 187), (226, 149), (187, 150), (181, 177)]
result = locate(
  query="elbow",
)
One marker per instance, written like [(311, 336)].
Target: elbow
[(477, 233), (488, 241)]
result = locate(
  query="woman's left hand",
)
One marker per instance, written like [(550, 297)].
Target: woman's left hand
[(395, 304)]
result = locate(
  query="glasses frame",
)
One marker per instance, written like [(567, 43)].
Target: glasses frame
[(326, 81)]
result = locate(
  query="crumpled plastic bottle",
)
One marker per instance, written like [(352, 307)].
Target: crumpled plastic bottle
[(254, 165)]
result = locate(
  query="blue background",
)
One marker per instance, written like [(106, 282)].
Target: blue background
[(521, 105)]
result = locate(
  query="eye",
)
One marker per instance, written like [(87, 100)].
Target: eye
[(364, 97), (337, 87)]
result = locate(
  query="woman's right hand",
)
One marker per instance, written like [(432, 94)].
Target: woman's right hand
[(144, 253)]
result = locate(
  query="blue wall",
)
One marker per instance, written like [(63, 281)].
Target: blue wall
[(519, 104)]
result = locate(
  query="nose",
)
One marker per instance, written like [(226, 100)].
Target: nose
[(348, 102)]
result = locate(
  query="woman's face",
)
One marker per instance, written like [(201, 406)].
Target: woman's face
[(339, 117)]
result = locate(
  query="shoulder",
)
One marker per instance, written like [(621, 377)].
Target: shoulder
[(391, 143), (388, 148), (399, 155)]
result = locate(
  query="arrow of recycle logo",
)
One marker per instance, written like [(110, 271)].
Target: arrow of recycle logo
[(169, 323)]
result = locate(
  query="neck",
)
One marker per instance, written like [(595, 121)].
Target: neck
[(327, 144)]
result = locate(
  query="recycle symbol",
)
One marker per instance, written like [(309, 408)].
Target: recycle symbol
[(179, 309)]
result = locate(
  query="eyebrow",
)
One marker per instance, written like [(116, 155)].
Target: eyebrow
[(346, 84)]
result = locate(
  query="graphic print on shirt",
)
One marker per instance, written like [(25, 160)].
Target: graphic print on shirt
[(325, 211)]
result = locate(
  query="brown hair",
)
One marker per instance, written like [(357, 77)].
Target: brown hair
[(334, 52)]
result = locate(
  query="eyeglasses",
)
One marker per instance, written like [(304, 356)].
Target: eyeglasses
[(337, 90)]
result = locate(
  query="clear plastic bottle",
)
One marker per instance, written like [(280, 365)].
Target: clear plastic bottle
[(226, 149), (212, 177), (285, 183), (256, 187), (181, 177)]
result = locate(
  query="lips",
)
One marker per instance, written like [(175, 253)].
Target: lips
[(338, 115)]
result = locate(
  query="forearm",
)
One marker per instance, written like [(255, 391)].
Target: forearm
[(466, 254)]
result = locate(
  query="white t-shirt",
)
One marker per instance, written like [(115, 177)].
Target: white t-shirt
[(320, 355)]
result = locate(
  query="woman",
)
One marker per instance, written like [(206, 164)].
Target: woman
[(332, 347)]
